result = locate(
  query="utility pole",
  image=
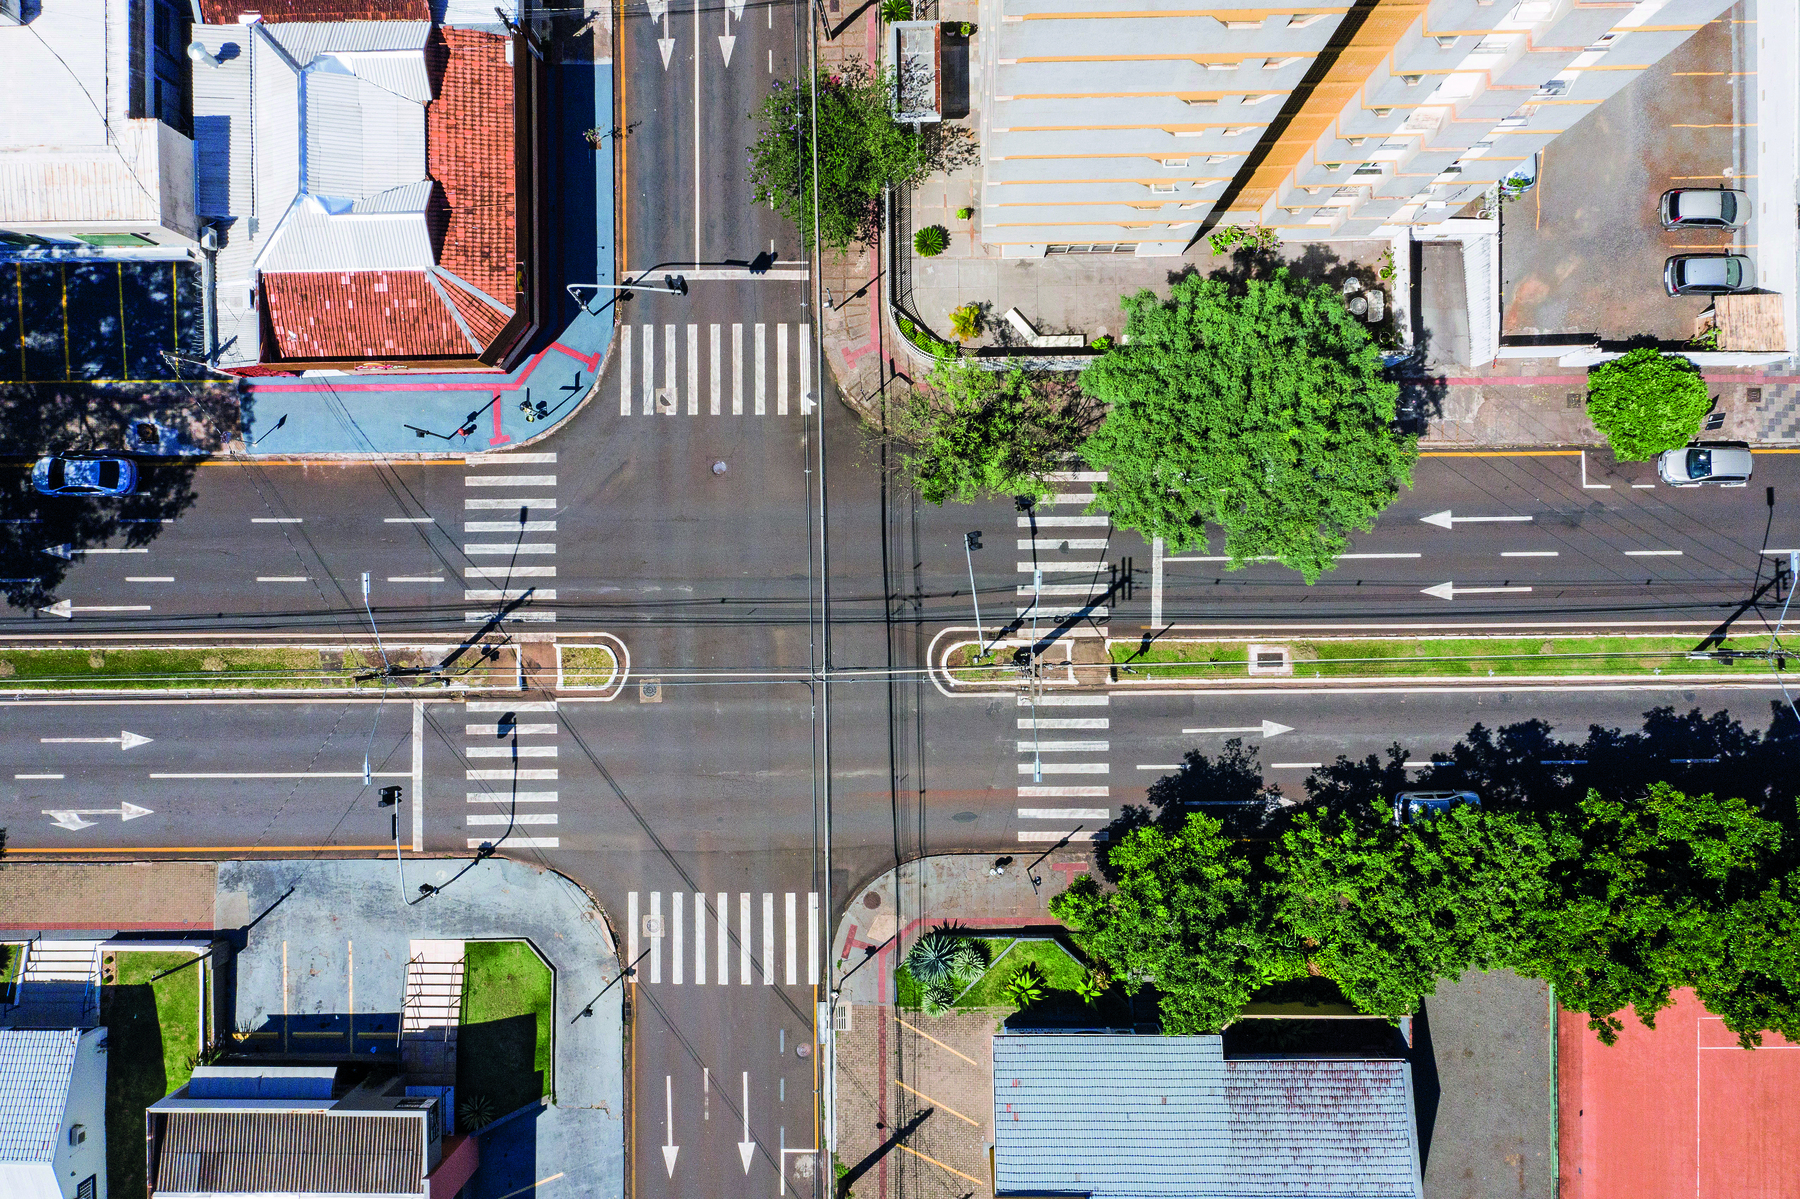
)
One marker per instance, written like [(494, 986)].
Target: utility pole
[(971, 543)]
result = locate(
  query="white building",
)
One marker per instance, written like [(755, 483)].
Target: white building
[(53, 1113), (93, 152)]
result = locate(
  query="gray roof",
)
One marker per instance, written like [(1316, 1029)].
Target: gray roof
[(1120, 1116), (35, 1069), (253, 1152)]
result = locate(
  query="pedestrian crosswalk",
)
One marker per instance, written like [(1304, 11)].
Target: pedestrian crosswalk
[(504, 568), (725, 937), (509, 767), (718, 379), (1062, 742)]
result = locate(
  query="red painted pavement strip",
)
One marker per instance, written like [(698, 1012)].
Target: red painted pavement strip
[(483, 383), (1549, 380), (1676, 1112)]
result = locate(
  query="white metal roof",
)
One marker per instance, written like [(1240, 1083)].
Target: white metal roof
[(35, 1071), (55, 88)]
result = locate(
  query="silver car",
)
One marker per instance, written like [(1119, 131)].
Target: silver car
[(1694, 465), (1704, 208), (1708, 274)]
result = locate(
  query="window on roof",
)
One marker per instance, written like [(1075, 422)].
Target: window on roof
[(114, 239)]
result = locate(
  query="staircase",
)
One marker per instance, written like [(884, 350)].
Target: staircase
[(58, 986), (431, 1012)]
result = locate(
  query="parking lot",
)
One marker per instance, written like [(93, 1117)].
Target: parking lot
[(1583, 251), (97, 322)]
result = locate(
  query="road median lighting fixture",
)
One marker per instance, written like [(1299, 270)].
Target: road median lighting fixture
[(675, 285), (971, 543)]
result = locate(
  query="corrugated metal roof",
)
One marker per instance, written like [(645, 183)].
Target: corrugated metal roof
[(1125, 1116), (310, 238), (54, 90), (360, 138), (35, 1069), (306, 40), (399, 71), (236, 1152), (119, 182)]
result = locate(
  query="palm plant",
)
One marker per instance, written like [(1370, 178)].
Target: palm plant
[(968, 962), (1092, 987), (1025, 987), (933, 957), (939, 997)]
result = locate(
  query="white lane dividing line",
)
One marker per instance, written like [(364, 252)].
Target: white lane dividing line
[(1643, 487), (1375, 557), (275, 520), (1653, 553), (1065, 747), (507, 481), (149, 578), (1071, 836), (509, 526), (1296, 765), (282, 578), (408, 520), (1529, 554), (793, 931), (415, 578), (485, 505), (37, 776), (1064, 722), (1065, 813), (1065, 768), (286, 774)]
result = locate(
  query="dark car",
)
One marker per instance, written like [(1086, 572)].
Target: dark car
[(1421, 805), (55, 474), (1708, 274), (1704, 208)]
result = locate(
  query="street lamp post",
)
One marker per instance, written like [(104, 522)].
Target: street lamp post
[(675, 285), (971, 543)]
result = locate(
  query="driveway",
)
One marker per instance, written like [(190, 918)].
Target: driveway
[(1583, 252)]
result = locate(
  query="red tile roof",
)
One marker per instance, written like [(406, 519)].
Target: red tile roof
[(469, 151), (226, 12), (484, 321), (361, 314)]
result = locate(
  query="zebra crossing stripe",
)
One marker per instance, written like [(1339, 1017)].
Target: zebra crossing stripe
[(693, 380), (762, 374), (737, 370), (793, 963), (700, 912), (724, 937), (744, 937), (675, 927), (631, 929), (625, 371), (656, 932), (806, 401), (713, 390), (781, 372), (768, 962), (649, 370), (669, 365)]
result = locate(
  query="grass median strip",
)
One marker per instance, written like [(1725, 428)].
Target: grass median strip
[(1450, 657), (256, 668)]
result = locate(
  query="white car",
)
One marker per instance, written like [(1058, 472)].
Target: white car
[(1694, 465)]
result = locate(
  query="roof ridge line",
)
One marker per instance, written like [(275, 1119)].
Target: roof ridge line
[(464, 284)]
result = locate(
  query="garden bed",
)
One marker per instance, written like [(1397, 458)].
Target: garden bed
[(152, 1045), (503, 1044), (176, 668)]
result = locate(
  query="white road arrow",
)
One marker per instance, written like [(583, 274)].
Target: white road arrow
[(670, 1149), (1451, 590), (726, 42), (1444, 520), (65, 550), (665, 43), (1267, 728), (737, 8), (66, 610), (125, 740), (659, 9), (71, 818), (746, 1147)]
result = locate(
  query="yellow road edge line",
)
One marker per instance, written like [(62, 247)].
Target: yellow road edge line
[(936, 1103), (940, 1165), (903, 1024)]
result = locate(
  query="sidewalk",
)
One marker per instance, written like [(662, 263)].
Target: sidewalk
[(340, 941), (913, 1094)]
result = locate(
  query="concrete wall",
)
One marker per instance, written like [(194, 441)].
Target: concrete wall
[(87, 1107)]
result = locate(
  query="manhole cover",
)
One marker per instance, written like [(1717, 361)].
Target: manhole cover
[(653, 926), (871, 901), (650, 691)]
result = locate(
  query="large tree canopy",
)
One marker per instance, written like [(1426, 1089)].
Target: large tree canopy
[(1647, 402), (970, 432), (1263, 412), (1615, 903)]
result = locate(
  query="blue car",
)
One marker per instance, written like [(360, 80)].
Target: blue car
[(57, 475)]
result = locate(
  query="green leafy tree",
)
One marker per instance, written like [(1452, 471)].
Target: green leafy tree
[(1189, 913), (1264, 412), (862, 152), (970, 432), (1647, 402)]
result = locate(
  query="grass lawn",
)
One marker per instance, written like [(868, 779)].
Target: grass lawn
[(1453, 657), (172, 668), (587, 665), (1006, 955), (153, 1035), (503, 1043)]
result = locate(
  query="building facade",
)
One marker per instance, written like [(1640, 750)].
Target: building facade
[(1116, 126)]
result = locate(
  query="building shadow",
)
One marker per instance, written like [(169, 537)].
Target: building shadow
[(1426, 1088)]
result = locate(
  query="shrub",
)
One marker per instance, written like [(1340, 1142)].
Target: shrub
[(896, 10), (933, 958), (938, 998), (966, 29), (1093, 986), (1025, 987), (963, 214), (1101, 344), (931, 241), (1647, 402), (968, 963), (1248, 237), (965, 322)]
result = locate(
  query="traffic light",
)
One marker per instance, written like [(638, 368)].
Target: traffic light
[(390, 796)]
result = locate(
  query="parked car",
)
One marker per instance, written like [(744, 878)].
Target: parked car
[(1523, 178), (1704, 208), (1421, 805), (1708, 274), (1694, 465), (57, 474)]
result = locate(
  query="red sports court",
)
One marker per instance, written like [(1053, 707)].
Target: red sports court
[(1678, 1112)]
